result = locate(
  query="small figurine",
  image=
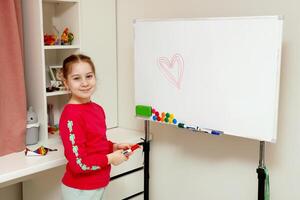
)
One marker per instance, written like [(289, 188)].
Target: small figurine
[(41, 151), (66, 37), (50, 39), (52, 129), (70, 38)]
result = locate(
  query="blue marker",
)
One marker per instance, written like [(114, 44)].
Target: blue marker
[(196, 128), (214, 132), (210, 131)]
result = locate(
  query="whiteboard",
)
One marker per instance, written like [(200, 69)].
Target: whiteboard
[(216, 73)]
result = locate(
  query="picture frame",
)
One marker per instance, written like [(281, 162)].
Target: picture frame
[(56, 77), (56, 73)]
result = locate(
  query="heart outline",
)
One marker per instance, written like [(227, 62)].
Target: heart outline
[(165, 65)]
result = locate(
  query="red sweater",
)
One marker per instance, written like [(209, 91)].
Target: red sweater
[(83, 132)]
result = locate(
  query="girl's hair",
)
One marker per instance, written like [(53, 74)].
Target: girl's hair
[(76, 58)]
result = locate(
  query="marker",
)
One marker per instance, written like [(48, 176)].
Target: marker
[(205, 130), (132, 149), (210, 131), (182, 125), (191, 128)]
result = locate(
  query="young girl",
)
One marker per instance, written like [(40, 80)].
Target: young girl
[(83, 131)]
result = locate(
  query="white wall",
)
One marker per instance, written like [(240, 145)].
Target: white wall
[(98, 28), (187, 166)]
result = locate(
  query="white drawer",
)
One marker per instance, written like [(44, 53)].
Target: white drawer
[(135, 161), (125, 186)]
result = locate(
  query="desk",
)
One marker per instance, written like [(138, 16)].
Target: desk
[(17, 167)]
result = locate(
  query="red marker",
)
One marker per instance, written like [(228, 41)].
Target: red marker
[(132, 149)]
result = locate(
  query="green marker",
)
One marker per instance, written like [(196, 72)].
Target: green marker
[(143, 111), (181, 125)]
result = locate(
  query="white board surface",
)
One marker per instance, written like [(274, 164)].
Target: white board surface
[(216, 73)]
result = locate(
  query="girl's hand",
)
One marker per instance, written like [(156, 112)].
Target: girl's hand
[(116, 158), (122, 146)]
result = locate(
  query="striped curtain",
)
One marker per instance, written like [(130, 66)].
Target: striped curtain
[(12, 84)]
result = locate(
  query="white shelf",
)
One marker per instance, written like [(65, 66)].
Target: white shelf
[(57, 93), (61, 47), (55, 66)]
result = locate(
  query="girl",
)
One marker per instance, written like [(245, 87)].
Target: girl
[(83, 131)]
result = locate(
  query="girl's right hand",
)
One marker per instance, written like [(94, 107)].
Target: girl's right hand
[(116, 158)]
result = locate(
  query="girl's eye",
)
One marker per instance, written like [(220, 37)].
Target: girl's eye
[(89, 76), (76, 78)]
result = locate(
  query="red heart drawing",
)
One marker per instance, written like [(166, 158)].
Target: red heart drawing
[(175, 65)]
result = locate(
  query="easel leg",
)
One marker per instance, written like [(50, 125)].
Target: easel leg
[(261, 175), (261, 183), (146, 160)]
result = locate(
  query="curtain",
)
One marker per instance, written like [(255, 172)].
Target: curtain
[(12, 83)]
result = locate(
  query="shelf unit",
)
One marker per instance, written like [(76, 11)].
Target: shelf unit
[(47, 17)]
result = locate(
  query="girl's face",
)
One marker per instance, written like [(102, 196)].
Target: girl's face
[(81, 81)]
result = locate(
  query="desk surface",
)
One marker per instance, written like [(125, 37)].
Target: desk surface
[(16, 166)]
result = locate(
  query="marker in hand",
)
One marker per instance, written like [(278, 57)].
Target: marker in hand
[(132, 149)]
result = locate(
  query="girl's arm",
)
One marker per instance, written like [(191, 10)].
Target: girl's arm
[(74, 140)]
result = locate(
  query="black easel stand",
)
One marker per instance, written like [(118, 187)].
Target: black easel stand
[(261, 175), (146, 148)]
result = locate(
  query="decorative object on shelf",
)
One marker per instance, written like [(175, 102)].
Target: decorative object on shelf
[(32, 131), (41, 151), (56, 75), (52, 89), (66, 37), (58, 85), (50, 39), (52, 129)]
